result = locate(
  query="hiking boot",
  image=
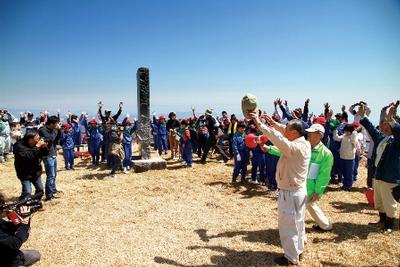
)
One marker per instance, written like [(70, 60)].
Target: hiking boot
[(389, 223)]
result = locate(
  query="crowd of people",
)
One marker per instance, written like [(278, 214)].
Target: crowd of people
[(292, 151)]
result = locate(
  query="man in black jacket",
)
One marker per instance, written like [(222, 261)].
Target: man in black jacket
[(11, 239), (213, 127), (107, 120), (51, 134), (28, 153)]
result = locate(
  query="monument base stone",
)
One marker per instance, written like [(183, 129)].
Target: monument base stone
[(143, 165)]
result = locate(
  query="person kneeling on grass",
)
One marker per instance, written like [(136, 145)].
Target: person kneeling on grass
[(12, 236)]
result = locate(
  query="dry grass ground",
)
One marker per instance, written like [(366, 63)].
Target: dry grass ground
[(190, 217)]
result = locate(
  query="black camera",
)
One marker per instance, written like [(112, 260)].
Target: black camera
[(33, 202)]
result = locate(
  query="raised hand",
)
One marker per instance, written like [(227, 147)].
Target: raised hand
[(329, 115), (391, 112), (285, 103), (361, 110), (343, 108)]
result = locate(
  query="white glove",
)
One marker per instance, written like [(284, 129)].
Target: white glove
[(238, 157)]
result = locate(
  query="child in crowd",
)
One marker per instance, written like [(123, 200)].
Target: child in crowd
[(348, 143), (359, 148), (185, 144), (76, 129), (162, 135), (94, 139), (271, 161), (257, 162), (154, 132), (67, 143), (129, 129), (239, 153)]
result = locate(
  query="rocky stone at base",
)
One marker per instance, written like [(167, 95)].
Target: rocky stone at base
[(143, 165)]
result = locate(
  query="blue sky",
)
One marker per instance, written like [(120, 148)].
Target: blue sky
[(70, 54)]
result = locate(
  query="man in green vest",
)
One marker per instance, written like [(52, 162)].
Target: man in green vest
[(319, 173)]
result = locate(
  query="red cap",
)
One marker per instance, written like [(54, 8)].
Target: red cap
[(93, 121), (161, 118), (128, 122), (67, 126), (356, 124), (186, 134), (320, 120)]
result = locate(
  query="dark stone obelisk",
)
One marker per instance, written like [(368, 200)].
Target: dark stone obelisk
[(143, 104), (146, 162)]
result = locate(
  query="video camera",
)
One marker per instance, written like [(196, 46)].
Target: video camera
[(33, 202)]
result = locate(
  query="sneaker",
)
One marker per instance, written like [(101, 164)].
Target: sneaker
[(125, 170), (128, 168), (56, 195), (113, 175), (319, 229), (254, 181)]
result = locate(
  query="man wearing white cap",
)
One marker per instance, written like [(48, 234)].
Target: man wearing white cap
[(318, 175)]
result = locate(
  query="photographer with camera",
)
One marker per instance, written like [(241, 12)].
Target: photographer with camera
[(12, 235), (51, 134), (28, 152)]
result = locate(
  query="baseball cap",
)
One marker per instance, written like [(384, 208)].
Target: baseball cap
[(316, 127)]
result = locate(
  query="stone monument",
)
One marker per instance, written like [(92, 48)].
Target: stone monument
[(147, 161)]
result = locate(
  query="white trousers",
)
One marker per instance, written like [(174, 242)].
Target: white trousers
[(318, 216), (383, 198), (292, 232)]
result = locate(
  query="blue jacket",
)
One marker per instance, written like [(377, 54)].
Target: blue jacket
[(257, 151), (128, 131), (67, 141), (238, 145), (162, 129), (93, 133), (388, 168)]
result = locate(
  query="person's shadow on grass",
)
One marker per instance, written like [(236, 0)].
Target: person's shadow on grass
[(230, 258), (268, 236)]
